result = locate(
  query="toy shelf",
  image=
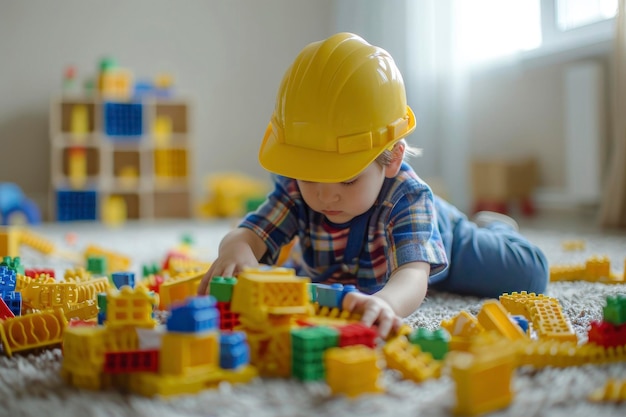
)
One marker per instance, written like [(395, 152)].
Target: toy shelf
[(137, 152)]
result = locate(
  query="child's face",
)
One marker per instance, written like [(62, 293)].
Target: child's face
[(343, 201)]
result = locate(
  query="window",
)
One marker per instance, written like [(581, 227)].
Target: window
[(571, 14)]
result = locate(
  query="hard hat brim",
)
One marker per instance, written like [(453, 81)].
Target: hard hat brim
[(319, 166)]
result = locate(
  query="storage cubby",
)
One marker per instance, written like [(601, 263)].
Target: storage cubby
[(136, 151)]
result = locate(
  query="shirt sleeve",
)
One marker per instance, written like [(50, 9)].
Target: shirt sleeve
[(413, 232), (275, 221)]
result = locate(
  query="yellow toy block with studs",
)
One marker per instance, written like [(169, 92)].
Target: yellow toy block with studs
[(50, 295), (561, 354), (270, 350), (185, 266), (151, 385), (83, 310), (121, 338), (360, 363), (89, 290), (613, 391), (177, 289), (549, 321), (573, 245), (493, 316), (519, 303), (598, 268), (326, 316), (410, 361), (262, 292), (9, 241), (31, 331), (189, 353), (463, 324), (84, 349), (130, 307), (483, 376)]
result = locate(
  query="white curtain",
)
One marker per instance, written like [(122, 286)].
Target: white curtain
[(613, 205)]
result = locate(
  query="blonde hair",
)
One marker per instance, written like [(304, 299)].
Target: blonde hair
[(386, 157)]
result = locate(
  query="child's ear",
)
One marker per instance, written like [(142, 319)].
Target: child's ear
[(397, 157)]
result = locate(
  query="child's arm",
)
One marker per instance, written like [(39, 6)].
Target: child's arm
[(401, 296), (239, 248)]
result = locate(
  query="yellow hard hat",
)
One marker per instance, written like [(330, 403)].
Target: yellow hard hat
[(340, 105)]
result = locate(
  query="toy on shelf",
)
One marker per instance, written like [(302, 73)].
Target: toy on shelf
[(228, 194), (120, 143)]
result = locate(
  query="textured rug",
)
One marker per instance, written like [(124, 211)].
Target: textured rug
[(30, 385)]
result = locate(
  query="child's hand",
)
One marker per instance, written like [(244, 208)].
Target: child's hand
[(373, 310)]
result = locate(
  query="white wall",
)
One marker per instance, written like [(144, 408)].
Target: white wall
[(226, 56)]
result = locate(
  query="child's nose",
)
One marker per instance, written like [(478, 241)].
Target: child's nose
[(327, 193)]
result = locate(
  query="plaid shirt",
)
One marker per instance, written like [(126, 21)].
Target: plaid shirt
[(402, 228)]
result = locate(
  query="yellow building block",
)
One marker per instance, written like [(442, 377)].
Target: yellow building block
[(410, 361), (483, 378), (115, 261), (151, 385), (272, 291), (84, 349), (32, 331), (9, 241), (130, 307), (352, 370), (549, 321), (493, 316), (189, 353), (178, 289), (42, 296), (463, 324)]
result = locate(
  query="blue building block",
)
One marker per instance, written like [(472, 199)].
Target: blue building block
[(123, 278), (234, 350), (123, 120), (521, 322), (331, 296), (76, 205), (7, 279), (198, 314), (13, 300)]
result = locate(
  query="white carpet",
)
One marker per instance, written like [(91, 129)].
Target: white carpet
[(30, 385)]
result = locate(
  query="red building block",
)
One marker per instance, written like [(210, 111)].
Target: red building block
[(606, 334), (228, 319), (131, 361), (356, 334)]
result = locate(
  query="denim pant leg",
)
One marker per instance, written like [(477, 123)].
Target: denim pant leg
[(487, 262)]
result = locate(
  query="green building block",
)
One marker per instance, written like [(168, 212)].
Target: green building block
[(308, 345), (97, 265), (434, 342), (222, 288), (614, 311)]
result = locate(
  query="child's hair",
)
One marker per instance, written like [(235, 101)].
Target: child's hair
[(386, 157)]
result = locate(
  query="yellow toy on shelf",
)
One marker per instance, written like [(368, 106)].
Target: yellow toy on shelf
[(228, 193)]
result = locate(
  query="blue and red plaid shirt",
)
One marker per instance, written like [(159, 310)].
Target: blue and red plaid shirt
[(401, 228)]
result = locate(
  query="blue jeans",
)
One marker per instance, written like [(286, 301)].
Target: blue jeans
[(489, 261)]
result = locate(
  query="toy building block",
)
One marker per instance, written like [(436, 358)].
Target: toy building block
[(75, 205), (356, 334), (123, 120), (121, 279), (130, 307), (13, 301), (32, 331), (614, 311), (493, 316), (77, 167), (522, 322), (9, 241), (607, 334), (8, 279), (162, 130), (43, 296), (550, 322), (613, 391), (332, 295), (114, 211), (234, 350), (114, 261), (434, 342), (273, 291), (83, 357), (133, 361), (270, 349), (178, 289), (597, 268), (352, 370), (519, 303), (308, 345), (483, 377), (189, 353), (222, 288), (410, 361), (36, 272), (5, 311), (228, 319), (79, 122), (567, 272), (461, 329), (542, 353), (197, 314)]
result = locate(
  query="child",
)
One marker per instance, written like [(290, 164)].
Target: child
[(361, 214)]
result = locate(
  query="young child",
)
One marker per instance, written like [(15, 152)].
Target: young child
[(360, 214)]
